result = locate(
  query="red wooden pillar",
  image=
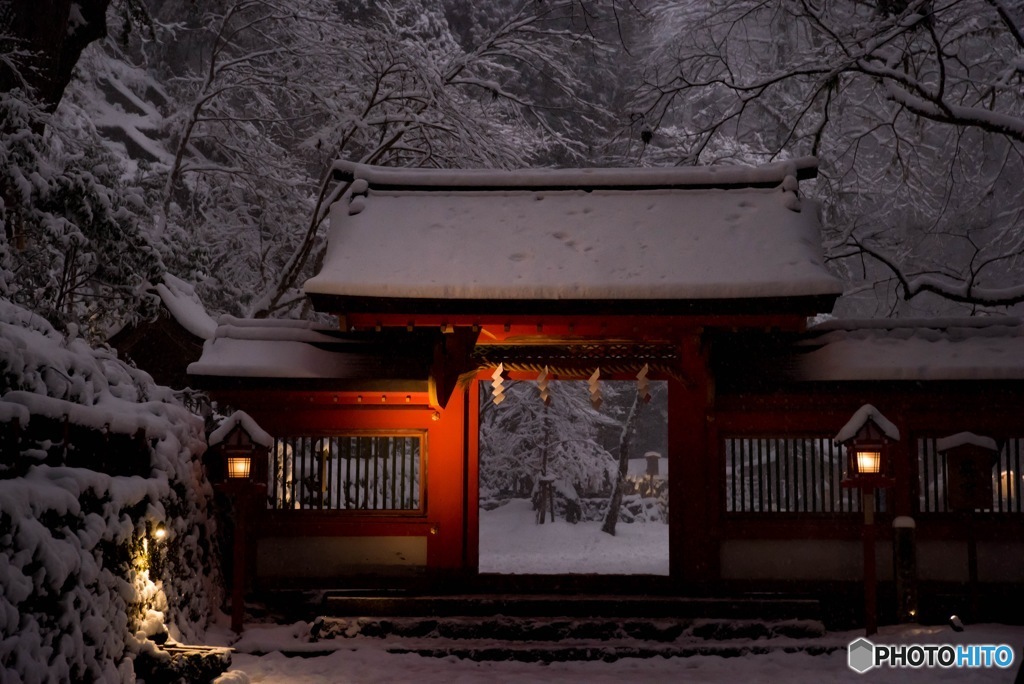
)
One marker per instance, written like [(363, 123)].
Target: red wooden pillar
[(447, 486), (693, 553), (471, 488)]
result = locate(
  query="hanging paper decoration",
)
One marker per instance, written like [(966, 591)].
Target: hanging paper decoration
[(595, 389), (643, 385), (498, 384), (543, 381)]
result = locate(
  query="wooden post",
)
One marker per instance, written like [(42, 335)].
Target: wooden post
[(904, 556), (870, 578), (972, 565), (239, 569), (245, 496)]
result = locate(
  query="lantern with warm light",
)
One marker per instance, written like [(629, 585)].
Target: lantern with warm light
[(869, 461), (238, 451), (236, 464), (867, 438), (239, 466)]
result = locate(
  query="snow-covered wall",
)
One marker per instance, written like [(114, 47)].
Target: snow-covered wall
[(83, 574)]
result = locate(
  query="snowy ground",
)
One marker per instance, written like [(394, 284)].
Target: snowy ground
[(511, 542), (364, 661)]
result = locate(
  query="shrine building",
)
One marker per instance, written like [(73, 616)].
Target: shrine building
[(704, 279)]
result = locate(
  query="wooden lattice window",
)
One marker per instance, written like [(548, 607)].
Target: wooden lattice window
[(787, 474), (349, 472)]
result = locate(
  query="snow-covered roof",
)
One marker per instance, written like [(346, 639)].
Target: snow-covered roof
[(912, 350), (299, 350), (183, 303), (246, 422), (866, 413), (580, 234), (964, 438)]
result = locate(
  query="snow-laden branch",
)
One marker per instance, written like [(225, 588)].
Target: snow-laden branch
[(964, 291)]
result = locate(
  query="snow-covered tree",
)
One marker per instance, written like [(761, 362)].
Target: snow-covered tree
[(916, 109), (416, 95), (522, 440), (74, 249)]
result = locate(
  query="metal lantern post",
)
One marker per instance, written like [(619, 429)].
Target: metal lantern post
[(867, 438)]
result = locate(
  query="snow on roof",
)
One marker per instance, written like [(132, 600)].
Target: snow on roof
[(281, 330), (181, 300), (859, 420), (940, 349), (674, 176), (289, 349), (281, 349), (611, 234), (246, 422), (963, 438)]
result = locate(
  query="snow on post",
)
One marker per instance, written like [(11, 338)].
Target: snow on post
[(965, 438)]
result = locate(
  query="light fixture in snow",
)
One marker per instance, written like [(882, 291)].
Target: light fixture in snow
[(869, 462), (498, 384), (643, 385), (238, 467), (595, 389), (160, 532), (543, 381)]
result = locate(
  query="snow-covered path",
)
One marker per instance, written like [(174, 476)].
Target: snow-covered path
[(366, 662), (512, 542)]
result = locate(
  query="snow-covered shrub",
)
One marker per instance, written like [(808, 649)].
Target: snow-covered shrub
[(83, 572)]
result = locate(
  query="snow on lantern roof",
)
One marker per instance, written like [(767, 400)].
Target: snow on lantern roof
[(866, 413), (965, 438), (612, 235), (990, 348), (243, 420)]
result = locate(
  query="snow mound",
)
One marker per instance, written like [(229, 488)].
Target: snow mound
[(80, 569)]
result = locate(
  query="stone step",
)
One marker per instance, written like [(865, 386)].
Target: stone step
[(560, 629), (572, 606), (607, 652)]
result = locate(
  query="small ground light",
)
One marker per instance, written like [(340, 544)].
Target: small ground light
[(160, 532), (956, 623)]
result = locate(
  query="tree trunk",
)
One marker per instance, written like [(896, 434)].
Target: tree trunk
[(612, 517), (546, 494), (50, 41)]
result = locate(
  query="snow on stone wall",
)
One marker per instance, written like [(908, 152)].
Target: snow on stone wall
[(82, 573)]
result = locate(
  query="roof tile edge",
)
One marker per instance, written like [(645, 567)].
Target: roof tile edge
[(767, 175)]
